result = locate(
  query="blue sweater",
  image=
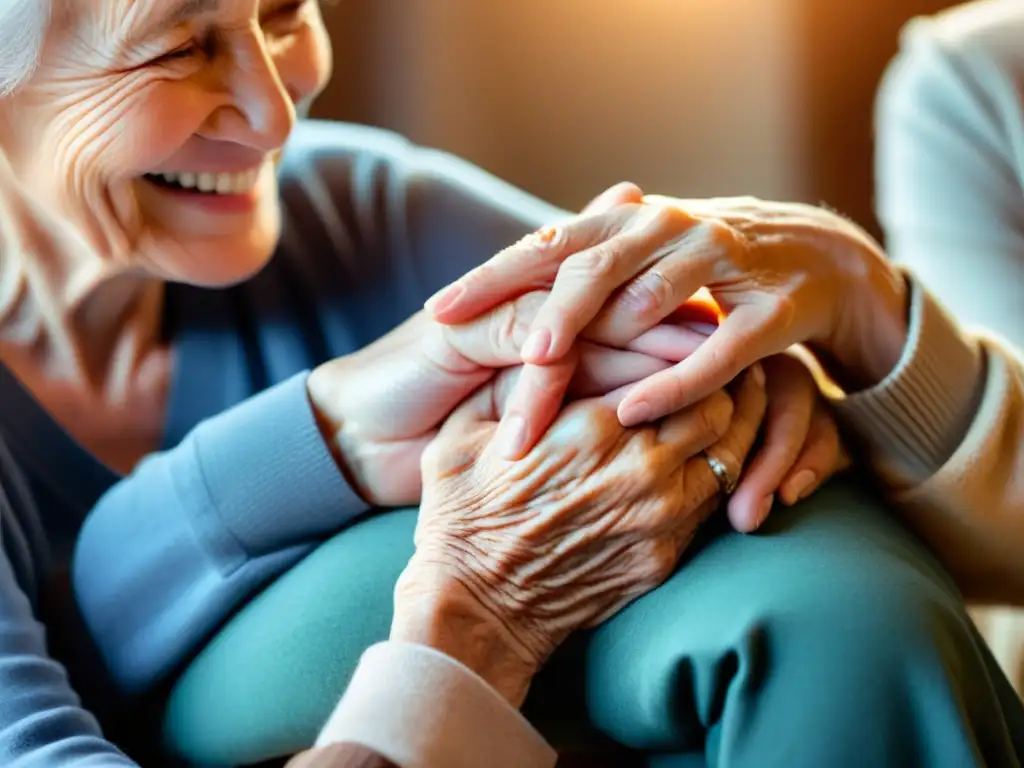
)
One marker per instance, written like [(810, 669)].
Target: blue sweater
[(245, 486)]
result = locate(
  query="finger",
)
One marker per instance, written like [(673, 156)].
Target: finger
[(530, 264), (700, 426), (750, 402), (603, 369), (672, 342), (792, 397), (668, 283), (821, 457), (533, 405), (587, 279), (747, 335), (620, 194), (495, 338)]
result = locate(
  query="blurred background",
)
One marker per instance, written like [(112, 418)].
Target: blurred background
[(685, 97)]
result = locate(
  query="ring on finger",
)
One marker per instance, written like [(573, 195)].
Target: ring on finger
[(726, 484)]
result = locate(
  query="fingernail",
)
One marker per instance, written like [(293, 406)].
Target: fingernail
[(537, 345), (546, 235), (636, 413), (512, 437), (704, 329), (764, 509), (445, 299), (757, 371), (801, 483)]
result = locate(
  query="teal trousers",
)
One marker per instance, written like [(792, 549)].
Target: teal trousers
[(831, 638)]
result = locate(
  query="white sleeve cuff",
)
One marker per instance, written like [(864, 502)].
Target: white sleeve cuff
[(422, 709)]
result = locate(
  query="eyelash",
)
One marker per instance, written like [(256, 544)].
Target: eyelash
[(185, 52)]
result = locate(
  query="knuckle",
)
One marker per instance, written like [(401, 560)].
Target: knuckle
[(649, 474), (669, 219), (506, 328), (595, 263), (716, 413), (595, 422), (649, 296), (717, 234)]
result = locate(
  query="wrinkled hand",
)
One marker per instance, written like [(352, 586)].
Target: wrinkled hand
[(782, 273), (520, 554), (381, 406)]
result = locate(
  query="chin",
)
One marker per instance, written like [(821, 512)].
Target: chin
[(217, 263)]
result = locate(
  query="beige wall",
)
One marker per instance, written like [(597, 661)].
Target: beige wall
[(690, 97)]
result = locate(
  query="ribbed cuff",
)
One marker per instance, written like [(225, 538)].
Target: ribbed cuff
[(268, 472), (913, 421), (421, 709)]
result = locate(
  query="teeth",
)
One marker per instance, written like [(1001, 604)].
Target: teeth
[(220, 183)]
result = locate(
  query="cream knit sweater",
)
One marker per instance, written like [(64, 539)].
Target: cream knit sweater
[(950, 171)]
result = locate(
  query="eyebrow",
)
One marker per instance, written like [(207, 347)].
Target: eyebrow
[(180, 12)]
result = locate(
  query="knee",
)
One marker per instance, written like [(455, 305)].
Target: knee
[(865, 626)]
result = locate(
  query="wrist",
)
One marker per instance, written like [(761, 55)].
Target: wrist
[(872, 330), (319, 391), (437, 610)]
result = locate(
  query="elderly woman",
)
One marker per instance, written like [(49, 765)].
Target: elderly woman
[(156, 363), (950, 180)]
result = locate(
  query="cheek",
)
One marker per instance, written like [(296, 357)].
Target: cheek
[(125, 128), (304, 63)]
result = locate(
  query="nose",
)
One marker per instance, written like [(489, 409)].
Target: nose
[(261, 113)]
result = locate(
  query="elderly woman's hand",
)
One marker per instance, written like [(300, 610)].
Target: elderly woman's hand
[(800, 445), (782, 274), (378, 408), (513, 556)]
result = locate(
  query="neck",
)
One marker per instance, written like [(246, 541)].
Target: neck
[(67, 310)]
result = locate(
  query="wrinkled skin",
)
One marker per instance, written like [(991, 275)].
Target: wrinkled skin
[(783, 274), (593, 516), (119, 94)]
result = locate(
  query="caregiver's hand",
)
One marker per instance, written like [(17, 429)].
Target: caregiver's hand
[(782, 273), (379, 407), (513, 556)]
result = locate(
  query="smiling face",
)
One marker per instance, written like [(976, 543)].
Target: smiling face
[(154, 126)]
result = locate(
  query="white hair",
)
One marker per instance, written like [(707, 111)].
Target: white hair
[(23, 26)]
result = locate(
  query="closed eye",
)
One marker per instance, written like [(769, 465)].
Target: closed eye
[(178, 54)]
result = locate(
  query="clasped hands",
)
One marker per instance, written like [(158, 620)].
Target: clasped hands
[(555, 492)]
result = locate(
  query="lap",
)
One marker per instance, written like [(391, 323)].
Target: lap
[(756, 616)]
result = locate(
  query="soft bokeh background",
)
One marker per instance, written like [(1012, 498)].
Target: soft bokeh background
[(685, 97)]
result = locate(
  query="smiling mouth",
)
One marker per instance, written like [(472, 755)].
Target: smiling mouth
[(208, 183)]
